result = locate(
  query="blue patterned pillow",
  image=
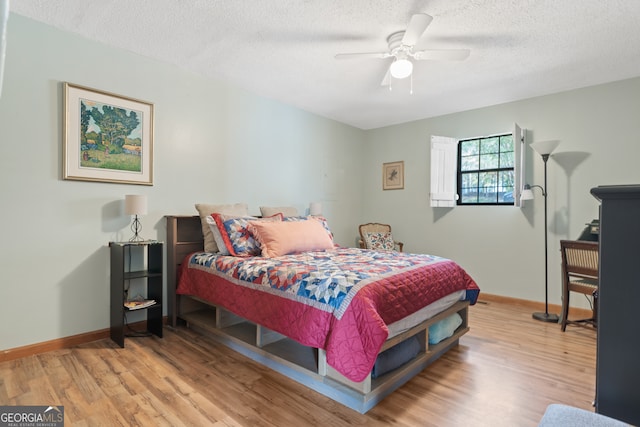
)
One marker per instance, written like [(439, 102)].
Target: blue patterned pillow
[(242, 241), (238, 240)]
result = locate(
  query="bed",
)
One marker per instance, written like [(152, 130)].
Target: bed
[(352, 324)]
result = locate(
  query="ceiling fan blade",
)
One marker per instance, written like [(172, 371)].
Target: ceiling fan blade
[(379, 55), (418, 24), (442, 54), (386, 80)]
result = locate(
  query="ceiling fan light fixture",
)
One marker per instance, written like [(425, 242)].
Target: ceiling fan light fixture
[(401, 68)]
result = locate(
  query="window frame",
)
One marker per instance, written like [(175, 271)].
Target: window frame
[(460, 173)]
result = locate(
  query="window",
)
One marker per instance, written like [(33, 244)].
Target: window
[(486, 174), (477, 171)]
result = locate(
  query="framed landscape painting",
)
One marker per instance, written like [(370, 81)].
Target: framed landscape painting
[(393, 176), (107, 137)]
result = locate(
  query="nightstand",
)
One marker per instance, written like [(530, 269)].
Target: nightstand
[(122, 254)]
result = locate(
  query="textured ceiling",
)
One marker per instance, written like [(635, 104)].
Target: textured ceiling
[(284, 49)]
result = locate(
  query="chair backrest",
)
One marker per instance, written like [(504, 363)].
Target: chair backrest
[(580, 258), (372, 227)]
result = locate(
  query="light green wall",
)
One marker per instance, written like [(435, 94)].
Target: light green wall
[(213, 143), (503, 247), (217, 143)]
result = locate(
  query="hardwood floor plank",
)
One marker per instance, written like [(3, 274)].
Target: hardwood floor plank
[(505, 372)]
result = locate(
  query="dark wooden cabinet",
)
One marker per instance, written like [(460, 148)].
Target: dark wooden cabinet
[(122, 254), (618, 351)]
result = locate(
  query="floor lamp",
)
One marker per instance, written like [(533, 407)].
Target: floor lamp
[(544, 148)]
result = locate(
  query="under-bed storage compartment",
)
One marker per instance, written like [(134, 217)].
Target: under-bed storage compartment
[(426, 354), (221, 324), (266, 343)]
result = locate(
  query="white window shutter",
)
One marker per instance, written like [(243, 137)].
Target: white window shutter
[(518, 163), (444, 160)]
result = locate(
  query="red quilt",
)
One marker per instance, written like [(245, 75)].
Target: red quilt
[(339, 300)]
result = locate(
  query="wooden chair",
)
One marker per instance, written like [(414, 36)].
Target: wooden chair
[(579, 274), (374, 227)]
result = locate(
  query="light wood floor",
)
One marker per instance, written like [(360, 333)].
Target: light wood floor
[(504, 373)]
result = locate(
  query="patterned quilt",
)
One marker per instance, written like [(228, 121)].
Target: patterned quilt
[(339, 300)]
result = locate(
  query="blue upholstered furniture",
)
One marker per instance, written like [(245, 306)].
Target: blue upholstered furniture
[(558, 415)]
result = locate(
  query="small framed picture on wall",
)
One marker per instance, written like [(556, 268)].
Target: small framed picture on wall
[(393, 176)]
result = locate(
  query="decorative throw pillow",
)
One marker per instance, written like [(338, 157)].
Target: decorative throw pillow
[(237, 238), (217, 236), (322, 220), (287, 237), (379, 241), (284, 210), (205, 210)]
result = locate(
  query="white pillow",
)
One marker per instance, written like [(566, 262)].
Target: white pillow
[(266, 211), (222, 248), (205, 210)]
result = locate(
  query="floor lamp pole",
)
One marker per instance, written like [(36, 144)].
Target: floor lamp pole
[(546, 317)]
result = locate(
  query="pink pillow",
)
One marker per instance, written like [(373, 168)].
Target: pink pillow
[(282, 238), (236, 236)]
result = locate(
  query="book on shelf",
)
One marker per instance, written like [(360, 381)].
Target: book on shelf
[(137, 304)]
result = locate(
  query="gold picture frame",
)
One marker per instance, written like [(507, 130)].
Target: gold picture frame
[(107, 137), (393, 176)]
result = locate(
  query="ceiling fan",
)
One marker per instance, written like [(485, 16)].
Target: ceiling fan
[(401, 49)]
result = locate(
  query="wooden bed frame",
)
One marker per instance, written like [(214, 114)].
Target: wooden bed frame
[(303, 364)]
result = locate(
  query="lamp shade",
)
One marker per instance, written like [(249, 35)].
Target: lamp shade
[(401, 68), (315, 208), (526, 194), (545, 147), (135, 204)]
